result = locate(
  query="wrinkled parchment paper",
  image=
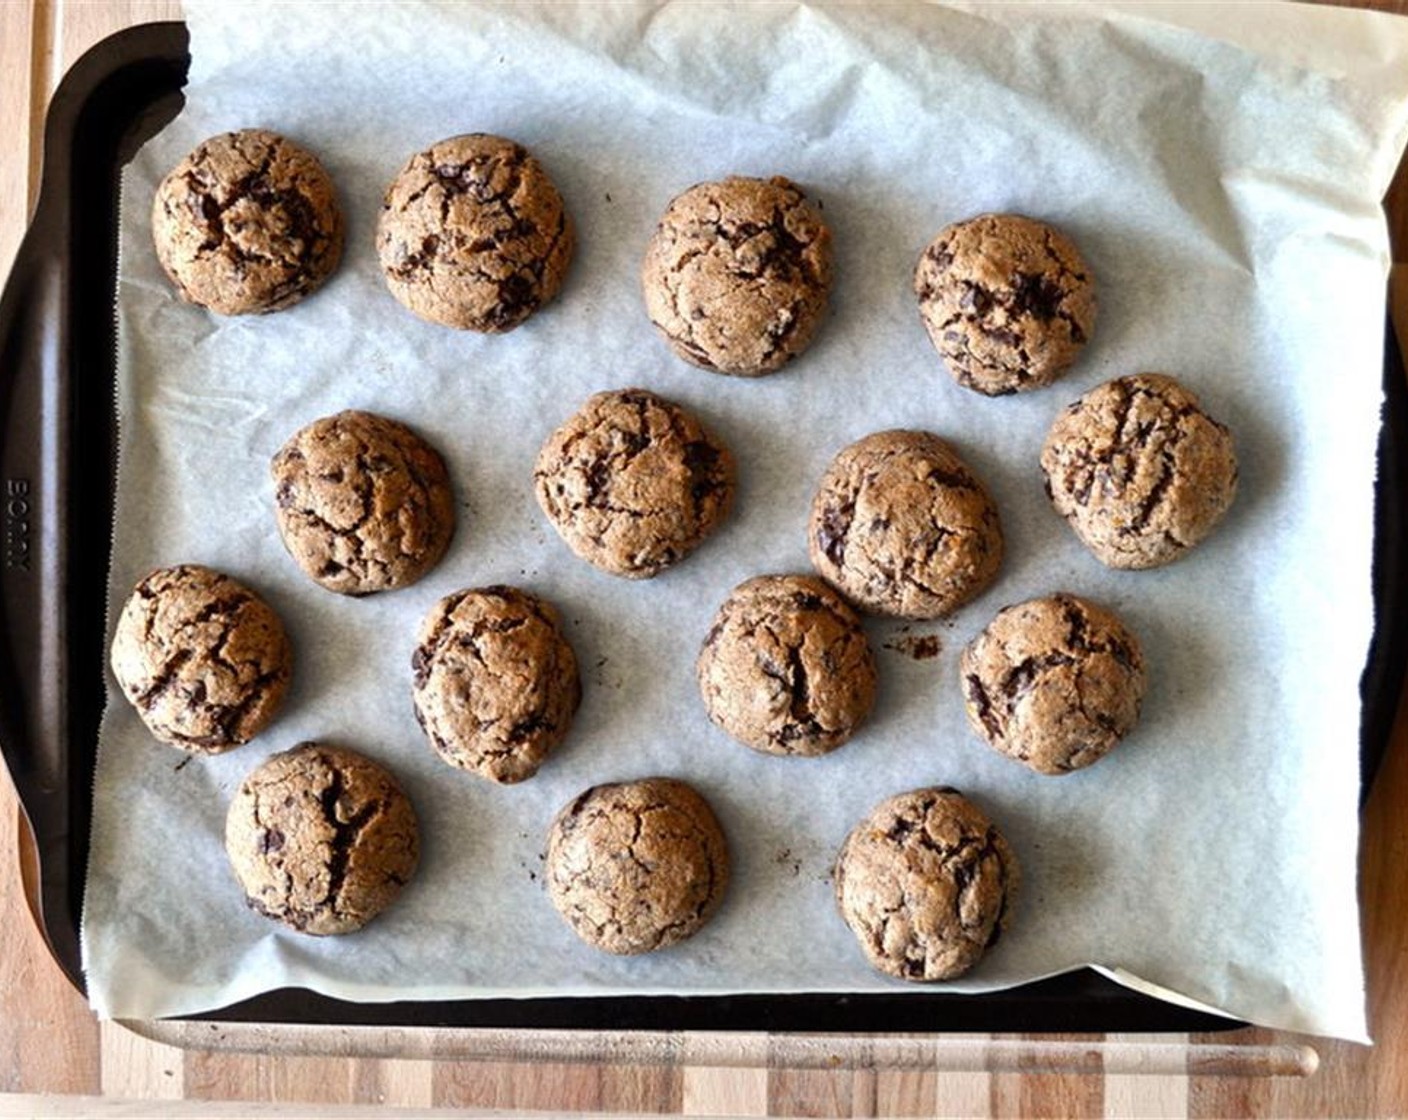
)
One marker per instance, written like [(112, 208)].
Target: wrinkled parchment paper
[(1223, 183)]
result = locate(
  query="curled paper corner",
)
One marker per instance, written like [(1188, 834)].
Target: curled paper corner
[(1293, 1022)]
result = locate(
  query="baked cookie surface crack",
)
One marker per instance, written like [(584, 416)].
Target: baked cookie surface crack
[(204, 660), (633, 483), (473, 234), (786, 667), (738, 274), (496, 683), (1139, 470), (248, 222), (637, 866), (321, 838), (1054, 682), (363, 503), (901, 526), (1007, 301), (925, 882)]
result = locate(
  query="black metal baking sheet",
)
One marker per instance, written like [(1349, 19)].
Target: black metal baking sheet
[(58, 424)]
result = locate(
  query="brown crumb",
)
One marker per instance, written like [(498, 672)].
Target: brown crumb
[(921, 647)]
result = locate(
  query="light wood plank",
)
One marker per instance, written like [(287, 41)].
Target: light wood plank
[(85, 23), (553, 1087), (137, 1067), (1068, 1095), (48, 1037), (29, 1106), (394, 1082), (46, 62), (712, 1091), (906, 1093), (963, 1094), (15, 84), (1152, 1097)]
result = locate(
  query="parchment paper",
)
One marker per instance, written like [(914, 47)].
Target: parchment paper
[(1224, 185)]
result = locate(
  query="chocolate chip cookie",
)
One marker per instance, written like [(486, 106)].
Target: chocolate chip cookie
[(322, 839), (902, 527), (636, 866), (473, 234), (633, 483), (786, 667), (248, 222), (1008, 302), (1054, 683), (363, 503), (926, 884), (203, 659), (496, 683), (738, 274), (1139, 471)]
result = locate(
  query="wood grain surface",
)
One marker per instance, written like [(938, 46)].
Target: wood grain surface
[(57, 1060)]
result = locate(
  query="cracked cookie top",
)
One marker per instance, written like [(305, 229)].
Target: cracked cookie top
[(496, 684), (925, 883), (786, 667), (321, 838), (1007, 301), (248, 222), (636, 866), (203, 659), (363, 503), (633, 483), (1054, 683), (473, 234), (737, 274), (1139, 470), (902, 527)]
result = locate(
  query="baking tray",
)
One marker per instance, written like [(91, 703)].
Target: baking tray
[(58, 425)]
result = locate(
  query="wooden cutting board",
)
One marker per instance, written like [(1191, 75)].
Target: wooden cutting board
[(57, 1060)]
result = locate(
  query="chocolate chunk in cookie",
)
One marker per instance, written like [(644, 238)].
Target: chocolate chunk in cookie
[(636, 866), (738, 274), (473, 234), (496, 683), (1139, 471), (363, 503), (786, 668), (902, 527), (202, 658), (633, 483), (926, 884), (322, 839), (1007, 301), (248, 222), (1054, 683)]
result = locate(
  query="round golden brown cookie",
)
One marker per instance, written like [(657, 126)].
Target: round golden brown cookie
[(1139, 470), (926, 884), (786, 667), (902, 527), (203, 659), (496, 683), (636, 866), (1007, 301), (1054, 683), (363, 503), (321, 838), (473, 234), (737, 274), (248, 222), (633, 483)]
